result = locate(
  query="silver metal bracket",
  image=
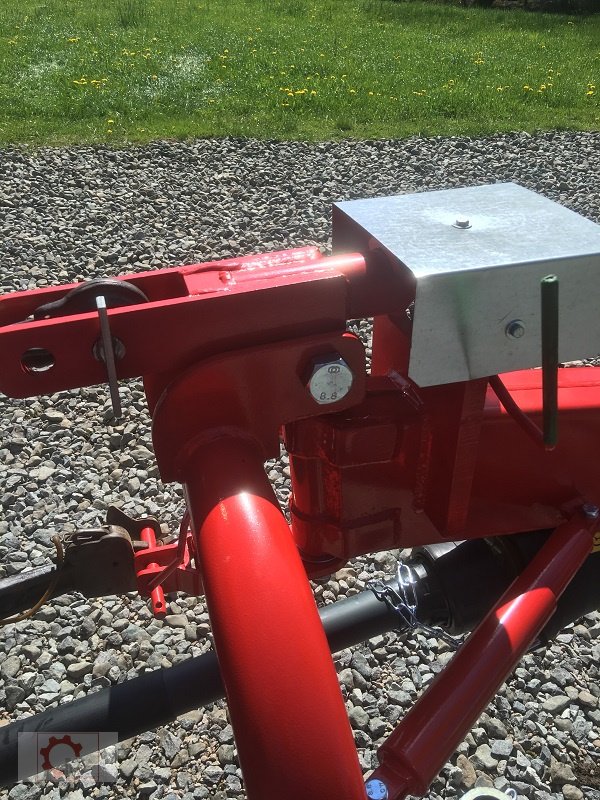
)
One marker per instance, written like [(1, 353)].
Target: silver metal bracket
[(476, 284)]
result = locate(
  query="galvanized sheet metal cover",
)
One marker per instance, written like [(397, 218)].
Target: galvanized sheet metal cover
[(471, 282)]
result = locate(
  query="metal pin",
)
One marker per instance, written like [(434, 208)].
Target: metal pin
[(549, 287), (109, 356)]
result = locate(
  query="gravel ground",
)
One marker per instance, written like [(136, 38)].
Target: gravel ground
[(73, 214)]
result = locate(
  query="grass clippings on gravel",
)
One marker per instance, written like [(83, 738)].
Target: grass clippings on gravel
[(137, 70)]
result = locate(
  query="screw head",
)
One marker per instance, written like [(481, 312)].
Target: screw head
[(376, 789), (515, 329), (331, 380), (462, 222), (590, 510)]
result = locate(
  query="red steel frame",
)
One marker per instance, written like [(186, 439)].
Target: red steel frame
[(225, 350)]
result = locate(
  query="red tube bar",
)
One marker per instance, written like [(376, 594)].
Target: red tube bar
[(422, 743), (294, 740)]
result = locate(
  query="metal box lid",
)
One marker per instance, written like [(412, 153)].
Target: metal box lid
[(477, 256)]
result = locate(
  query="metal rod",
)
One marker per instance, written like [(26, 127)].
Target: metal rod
[(549, 291), (109, 356)]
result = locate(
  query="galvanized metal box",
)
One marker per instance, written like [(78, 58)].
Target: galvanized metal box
[(476, 257)]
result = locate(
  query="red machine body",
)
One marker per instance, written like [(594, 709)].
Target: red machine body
[(226, 351), (410, 467)]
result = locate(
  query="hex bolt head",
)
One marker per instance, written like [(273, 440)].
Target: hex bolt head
[(462, 223), (483, 793), (331, 379), (376, 789), (515, 329), (590, 510)]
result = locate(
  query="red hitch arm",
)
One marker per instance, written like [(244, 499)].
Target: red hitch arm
[(294, 741)]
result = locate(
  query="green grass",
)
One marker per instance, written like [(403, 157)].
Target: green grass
[(136, 70)]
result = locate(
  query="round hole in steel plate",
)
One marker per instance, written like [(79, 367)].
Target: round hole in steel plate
[(37, 360)]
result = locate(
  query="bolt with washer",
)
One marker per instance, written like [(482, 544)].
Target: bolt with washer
[(331, 379), (515, 329), (483, 793), (376, 789), (462, 223)]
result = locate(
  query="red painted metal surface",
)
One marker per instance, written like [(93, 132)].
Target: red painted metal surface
[(157, 595), (292, 732), (193, 312), (225, 349), (365, 480), (159, 569), (254, 390), (517, 485)]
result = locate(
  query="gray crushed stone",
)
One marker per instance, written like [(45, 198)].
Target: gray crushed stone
[(80, 213)]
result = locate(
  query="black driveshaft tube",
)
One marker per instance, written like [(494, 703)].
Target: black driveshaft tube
[(22, 591), (158, 697)]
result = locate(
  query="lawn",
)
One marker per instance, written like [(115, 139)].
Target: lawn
[(133, 70)]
